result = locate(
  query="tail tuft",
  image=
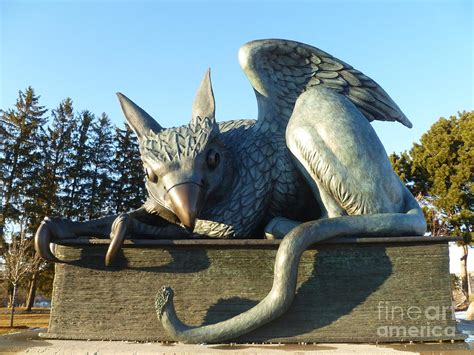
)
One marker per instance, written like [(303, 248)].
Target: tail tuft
[(163, 297)]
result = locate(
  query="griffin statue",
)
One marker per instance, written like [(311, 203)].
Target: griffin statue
[(310, 168)]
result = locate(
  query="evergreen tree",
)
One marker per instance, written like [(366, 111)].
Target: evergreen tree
[(56, 146), (20, 156), (75, 189), (99, 170), (402, 166), (129, 186), (444, 158)]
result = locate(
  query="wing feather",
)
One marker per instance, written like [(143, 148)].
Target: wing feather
[(281, 70)]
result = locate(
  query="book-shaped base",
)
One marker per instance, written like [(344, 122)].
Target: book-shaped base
[(351, 290)]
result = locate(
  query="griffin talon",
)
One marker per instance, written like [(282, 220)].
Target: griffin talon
[(43, 245), (117, 236)]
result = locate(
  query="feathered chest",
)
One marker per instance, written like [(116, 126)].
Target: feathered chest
[(268, 166), (265, 183)]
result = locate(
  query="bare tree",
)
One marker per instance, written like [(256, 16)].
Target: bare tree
[(19, 262)]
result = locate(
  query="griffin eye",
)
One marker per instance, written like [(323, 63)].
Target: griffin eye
[(152, 177), (213, 159)]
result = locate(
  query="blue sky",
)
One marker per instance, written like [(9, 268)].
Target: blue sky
[(420, 52)]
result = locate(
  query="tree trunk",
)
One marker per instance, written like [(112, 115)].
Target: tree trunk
[(464, 274), (32, 292), (9, 297), (12, 309)]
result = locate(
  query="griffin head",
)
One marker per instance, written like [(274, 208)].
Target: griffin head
[(185, 166)]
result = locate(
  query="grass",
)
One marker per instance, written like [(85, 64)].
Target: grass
[(37, 318)]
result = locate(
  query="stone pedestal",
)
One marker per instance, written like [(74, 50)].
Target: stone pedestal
[(351, 290)]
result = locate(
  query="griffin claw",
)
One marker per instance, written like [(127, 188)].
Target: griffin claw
[(117, 236), (43, 245)]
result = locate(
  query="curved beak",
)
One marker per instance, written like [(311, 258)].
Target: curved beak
[(187, 200)]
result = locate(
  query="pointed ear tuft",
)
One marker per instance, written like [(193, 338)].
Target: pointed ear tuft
[(204, 104), (140, 121)]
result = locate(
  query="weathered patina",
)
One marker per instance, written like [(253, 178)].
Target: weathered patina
[(310, 168)]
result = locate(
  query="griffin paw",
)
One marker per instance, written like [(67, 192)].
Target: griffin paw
[(117, 236), (278, 227)]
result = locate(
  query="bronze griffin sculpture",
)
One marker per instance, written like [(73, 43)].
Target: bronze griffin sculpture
[(310, 168)]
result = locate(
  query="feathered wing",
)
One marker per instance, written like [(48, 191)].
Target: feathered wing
[(281, 70)]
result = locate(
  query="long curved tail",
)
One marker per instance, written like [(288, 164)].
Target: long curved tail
[(287, 260)]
